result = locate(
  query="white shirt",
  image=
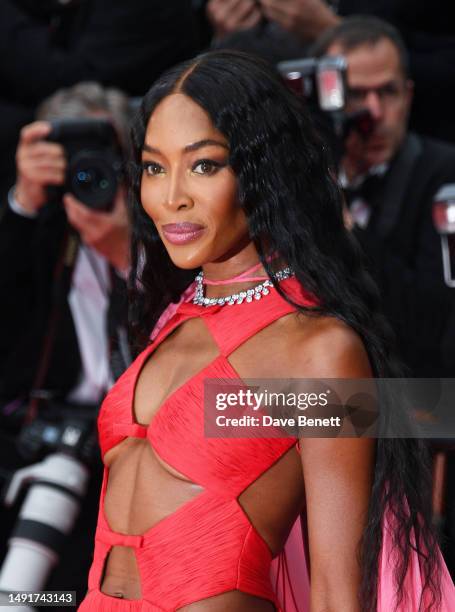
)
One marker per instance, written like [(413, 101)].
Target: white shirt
[(360, 210)]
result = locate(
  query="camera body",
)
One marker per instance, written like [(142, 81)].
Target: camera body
[(61, 428), (444, 222), (94, 160), (322, 83), (47, 492)]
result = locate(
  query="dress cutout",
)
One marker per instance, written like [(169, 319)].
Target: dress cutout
[(208, 546)]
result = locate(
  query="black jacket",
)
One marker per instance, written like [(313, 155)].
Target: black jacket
[(29, 252), (405, 253)]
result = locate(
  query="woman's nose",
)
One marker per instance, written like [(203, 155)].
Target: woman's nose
[(177, 196)]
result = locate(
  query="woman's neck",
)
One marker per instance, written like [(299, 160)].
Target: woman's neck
[(230, 269)]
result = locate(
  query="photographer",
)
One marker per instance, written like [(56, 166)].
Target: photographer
[(426, 29), (31, 235), (62, 270), (391, 178)]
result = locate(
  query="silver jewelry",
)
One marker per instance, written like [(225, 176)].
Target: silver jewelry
[(255, 293)]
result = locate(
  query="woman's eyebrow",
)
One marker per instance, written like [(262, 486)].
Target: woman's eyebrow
[(207, 142), (150, 149)]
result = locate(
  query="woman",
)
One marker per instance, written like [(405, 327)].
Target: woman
[(231, 180)]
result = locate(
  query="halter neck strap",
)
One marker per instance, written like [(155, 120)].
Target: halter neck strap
[(240, 278)]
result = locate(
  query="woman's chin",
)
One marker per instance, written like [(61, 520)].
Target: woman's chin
[(187, 263)]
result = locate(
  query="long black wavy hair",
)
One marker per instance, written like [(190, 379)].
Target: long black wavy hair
[(294, 208)]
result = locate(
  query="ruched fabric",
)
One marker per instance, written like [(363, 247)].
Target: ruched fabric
[(208, 546)]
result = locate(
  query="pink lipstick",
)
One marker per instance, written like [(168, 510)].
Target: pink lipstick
[(182, 233)]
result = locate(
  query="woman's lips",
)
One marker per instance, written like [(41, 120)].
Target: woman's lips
[(181, 233)]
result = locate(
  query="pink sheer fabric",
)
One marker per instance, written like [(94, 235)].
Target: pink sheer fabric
[(290, 573), (290, 577), (170, 310), (414, 581)]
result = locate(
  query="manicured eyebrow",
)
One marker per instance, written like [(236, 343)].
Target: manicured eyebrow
[(207, 142)]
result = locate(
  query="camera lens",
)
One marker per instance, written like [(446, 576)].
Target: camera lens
[(90, 180), (93, 179)]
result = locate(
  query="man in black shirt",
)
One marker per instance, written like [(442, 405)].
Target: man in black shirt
[(392, 178), (427, 30)]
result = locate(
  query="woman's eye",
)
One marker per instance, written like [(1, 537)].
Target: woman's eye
[(206, 166), (152, 168)]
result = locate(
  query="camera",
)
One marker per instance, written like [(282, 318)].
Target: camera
[(94, 161), (59, 447), (444, 222), (322, 83)]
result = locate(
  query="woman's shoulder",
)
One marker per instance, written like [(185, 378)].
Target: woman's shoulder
[(323, 347)]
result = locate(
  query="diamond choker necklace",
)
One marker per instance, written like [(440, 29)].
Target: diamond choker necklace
[(255, 293)]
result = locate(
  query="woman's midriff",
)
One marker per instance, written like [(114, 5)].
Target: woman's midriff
[(141, 491), (138, 480)]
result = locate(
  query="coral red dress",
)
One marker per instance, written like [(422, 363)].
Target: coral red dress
[(208, 546)]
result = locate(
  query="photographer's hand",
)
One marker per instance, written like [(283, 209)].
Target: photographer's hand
[(307, 19), (39, 163), (227, 16), (106, 232)]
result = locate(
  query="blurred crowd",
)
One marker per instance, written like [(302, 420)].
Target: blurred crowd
[(64, 255)]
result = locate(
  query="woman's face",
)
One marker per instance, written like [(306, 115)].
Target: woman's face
[(188, 188)]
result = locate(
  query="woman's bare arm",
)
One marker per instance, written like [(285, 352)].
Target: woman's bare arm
[(337, 473)]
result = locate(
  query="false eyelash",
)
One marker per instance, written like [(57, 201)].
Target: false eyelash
[(145, 165), (210, 162)]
